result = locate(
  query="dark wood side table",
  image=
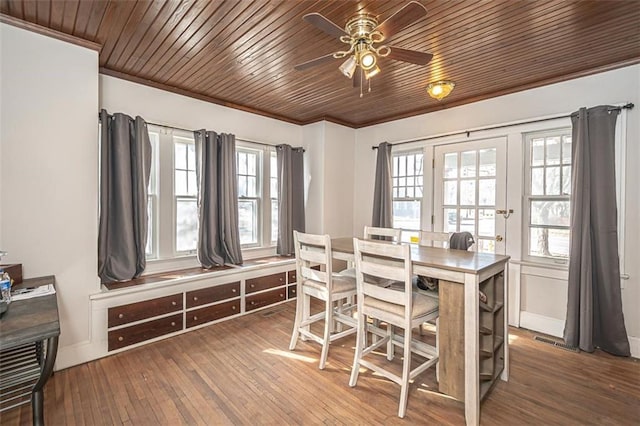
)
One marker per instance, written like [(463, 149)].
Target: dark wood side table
[(32, 322)]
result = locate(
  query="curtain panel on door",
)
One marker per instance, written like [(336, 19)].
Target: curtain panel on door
[(594, 308), (125, 167), (382, 195), (218, 233), (290, 163)]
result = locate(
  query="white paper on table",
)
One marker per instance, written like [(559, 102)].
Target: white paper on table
[(43, 290)]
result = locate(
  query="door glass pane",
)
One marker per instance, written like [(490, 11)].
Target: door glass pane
[(468, 164), (552, 213), (450, 192), (186, 224), (487, 222), (468, 220), (552, 181), (467, 192), (487, 192), (450, 220), (553, 151), (488, 162), (451, 165), (486, 246), (537, 152)]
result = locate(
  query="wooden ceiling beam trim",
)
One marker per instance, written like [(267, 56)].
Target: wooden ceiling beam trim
[(189, 23), (30, 26)]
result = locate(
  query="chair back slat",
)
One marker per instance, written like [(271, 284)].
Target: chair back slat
[(313, 250), (313, 274), (390, 234), (434, 239)]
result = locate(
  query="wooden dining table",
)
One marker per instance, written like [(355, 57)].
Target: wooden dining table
[(472, 331)]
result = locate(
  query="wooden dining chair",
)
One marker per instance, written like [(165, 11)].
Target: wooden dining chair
[(433, 239), (399, 308), (389, 234), (312, 250)]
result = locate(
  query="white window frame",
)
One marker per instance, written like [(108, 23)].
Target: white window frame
[(528, 197), (188, 140), (152, 198), (408, 234), (263, 189)]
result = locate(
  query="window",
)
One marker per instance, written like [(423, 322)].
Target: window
[(547, 194), (185, 193), (274, 197), (151, 249), (407, 192)]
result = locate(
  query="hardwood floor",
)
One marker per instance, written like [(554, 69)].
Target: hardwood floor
[(241, 372)]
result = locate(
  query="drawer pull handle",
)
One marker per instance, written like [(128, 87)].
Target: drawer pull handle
[(195, 298), (173, 324), (233, 308), (281, 295), (233, 290), (120, 339), (121, 316), (252, 285), (293, 291), (174, 303), (195, 318), (253, 303), (281, 279)]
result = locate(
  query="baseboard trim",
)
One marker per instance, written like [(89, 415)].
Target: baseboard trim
[(76, 354), (555, 327)]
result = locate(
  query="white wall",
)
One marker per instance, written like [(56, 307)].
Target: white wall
[(166, 108), (542, 298), (48, 168)]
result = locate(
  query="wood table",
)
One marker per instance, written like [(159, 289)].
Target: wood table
[(24, 329), (473, 337)]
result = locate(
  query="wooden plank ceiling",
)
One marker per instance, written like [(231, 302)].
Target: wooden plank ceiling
[(242, 53)]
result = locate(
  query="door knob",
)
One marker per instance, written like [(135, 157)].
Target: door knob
[(499, 238)]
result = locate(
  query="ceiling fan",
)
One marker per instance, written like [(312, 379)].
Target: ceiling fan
[(362, 33)]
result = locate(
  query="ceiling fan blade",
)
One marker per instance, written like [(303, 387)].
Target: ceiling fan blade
[(312, 63), (324, 24), (403, 17), (412, 56)]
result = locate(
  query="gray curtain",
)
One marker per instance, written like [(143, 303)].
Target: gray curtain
[(218, 233), (594, 308), (125, 166), (382, 196), (290, 163)]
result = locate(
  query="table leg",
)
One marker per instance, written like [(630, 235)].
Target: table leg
[(471, 350), (37, 396)]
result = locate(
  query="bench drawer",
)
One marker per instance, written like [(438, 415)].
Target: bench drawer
[(291, 277), (212, 294), (291, 291), (264, 299), (212, 313), (125, 314), (140, 332), (263, 283)]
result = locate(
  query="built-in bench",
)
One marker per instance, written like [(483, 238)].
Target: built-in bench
[(131, 313)]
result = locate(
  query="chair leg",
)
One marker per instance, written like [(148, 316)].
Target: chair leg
[(361, 340), (438, 349), (390, 332), (296, 322), (306, 312), (328, 326), (406, 368)]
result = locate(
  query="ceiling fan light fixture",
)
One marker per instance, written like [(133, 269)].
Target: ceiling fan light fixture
[(440, 89), (372, 72), (348, 67), (367, 60)]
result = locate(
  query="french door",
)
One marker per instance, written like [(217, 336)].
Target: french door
[(469, 188)]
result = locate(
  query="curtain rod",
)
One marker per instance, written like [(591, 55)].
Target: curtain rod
[(501, 126), (191, 131)]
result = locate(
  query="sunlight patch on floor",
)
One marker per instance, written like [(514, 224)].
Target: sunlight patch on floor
[(512, 338), (290, 355)]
